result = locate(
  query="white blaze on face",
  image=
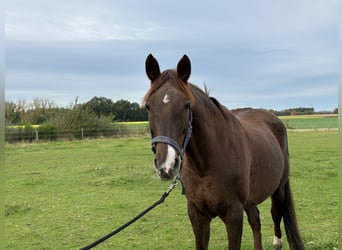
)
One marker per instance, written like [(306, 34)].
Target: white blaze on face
[(170, 159), (166, 99)]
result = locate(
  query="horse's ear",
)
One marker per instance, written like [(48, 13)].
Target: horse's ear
[(152, 68), (184, 68)]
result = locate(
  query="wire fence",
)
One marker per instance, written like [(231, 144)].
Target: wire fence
[(48, 132), (32, 134)]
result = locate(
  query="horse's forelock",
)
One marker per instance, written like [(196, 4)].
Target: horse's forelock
[(167, 76)]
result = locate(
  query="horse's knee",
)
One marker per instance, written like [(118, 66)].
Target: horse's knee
[(235, 214)]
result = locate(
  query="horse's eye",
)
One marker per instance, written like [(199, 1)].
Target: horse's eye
[(187, 105), (147, 107)]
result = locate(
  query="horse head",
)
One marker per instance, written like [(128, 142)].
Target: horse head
[(168, 102)]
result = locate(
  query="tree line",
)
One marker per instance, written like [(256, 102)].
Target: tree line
[(94, 118), (97, 117), (45, 111), (300, 111), (42, 111)]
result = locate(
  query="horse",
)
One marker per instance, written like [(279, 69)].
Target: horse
[(229, 160)]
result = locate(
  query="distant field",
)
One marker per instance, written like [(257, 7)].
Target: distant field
[(65, 194), (135, 125), (291, 122), (312, 116), (310, 121)]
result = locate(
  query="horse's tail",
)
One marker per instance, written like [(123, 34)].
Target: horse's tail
[(290, 221), (289, 215)]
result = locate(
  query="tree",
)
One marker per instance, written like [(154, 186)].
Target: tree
[(126, 111), (12, 114), (138, 113), (101, 106), (121, 110), (39, 110)]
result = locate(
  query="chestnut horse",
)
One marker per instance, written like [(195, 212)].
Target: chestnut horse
[(229, 161)]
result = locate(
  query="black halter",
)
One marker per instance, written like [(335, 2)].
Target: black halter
[(173, 143)]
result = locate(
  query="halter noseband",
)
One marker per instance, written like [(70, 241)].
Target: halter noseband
[(173, 143)]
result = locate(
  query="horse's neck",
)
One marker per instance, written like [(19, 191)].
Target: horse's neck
[(210, 130)]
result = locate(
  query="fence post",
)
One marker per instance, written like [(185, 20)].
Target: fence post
[(82, 133), (37, 136)]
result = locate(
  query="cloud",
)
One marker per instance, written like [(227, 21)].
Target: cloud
[(243, 50)]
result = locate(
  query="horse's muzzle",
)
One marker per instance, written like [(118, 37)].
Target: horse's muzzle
[(167, 170)]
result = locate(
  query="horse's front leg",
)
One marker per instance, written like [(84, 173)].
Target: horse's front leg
[(200, 225), (254, 221), (233, 221)]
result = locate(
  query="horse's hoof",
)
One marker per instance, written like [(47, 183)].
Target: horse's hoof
[(277, 243)]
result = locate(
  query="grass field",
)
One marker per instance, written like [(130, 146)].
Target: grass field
[(291, 122), (310, 121), (64, 195)]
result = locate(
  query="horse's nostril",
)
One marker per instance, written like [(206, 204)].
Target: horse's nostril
[(162, 172), (164, 175)]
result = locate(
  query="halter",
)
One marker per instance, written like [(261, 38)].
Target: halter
[(173, 143)]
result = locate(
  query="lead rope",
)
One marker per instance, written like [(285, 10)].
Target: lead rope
[(161, 200)]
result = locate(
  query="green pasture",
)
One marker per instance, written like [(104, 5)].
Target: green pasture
[(66, 194), (310, 122)]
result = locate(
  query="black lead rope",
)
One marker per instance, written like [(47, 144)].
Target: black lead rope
[(161, 200)]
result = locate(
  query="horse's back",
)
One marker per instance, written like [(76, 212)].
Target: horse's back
[(256, 120)]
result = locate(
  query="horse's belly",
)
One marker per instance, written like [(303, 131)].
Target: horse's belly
[(266, 182)]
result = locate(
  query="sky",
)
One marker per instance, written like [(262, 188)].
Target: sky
[(271, 54)]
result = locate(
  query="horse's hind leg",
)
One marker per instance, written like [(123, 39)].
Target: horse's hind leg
[(276, 210), (254, 222)]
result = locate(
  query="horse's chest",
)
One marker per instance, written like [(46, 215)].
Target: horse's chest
[(209, 199)]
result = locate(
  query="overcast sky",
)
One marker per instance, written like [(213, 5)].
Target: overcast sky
[(267, 53)]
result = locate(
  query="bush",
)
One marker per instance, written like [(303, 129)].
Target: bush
[(79, 123), (47, 132)]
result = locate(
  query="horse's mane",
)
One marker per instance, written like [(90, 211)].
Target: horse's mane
[(210, 102)]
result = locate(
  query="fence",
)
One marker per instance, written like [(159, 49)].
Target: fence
[(49, 133)]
